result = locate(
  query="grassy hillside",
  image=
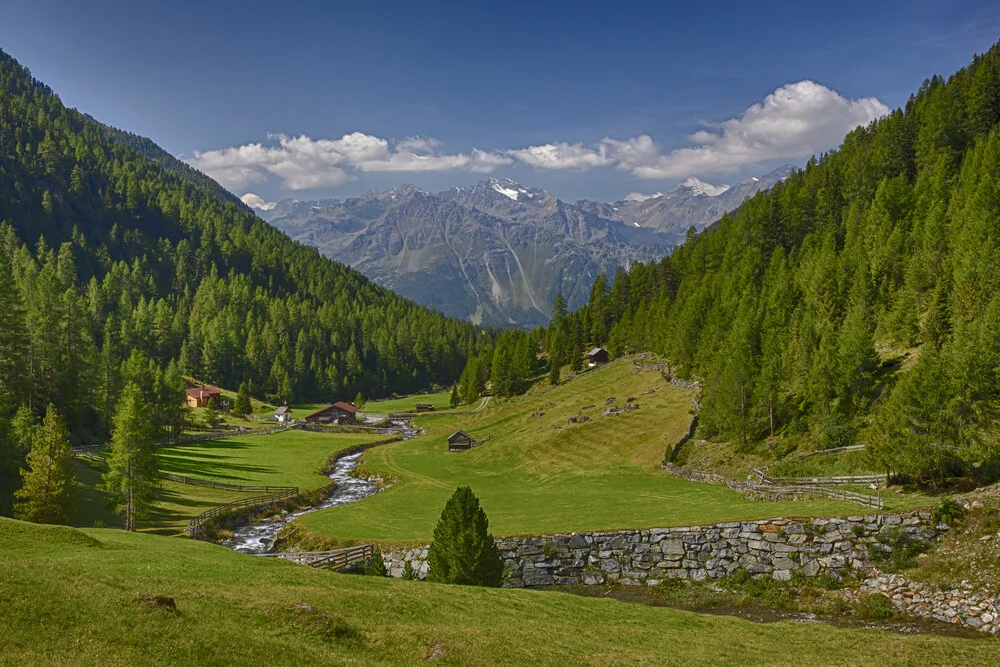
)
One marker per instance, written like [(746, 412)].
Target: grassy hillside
[(291, 458), (83, 597), (542, 474)]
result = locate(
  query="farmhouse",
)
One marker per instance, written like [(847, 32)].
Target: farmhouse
[(202, 397), (597, 356), (425, 407), (283, 414), (459, 441), (334, 413)]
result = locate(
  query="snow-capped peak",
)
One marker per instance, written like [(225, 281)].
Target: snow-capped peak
[(506, 192), (257, 202), (700, 187)]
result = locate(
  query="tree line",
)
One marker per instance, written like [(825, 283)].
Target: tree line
[(857, 301)]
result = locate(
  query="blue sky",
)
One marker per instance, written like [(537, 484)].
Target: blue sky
[(585, 99)]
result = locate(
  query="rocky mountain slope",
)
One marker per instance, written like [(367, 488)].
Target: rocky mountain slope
[(497, 252)]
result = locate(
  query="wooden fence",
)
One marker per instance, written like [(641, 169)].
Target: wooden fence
[(196, 524), (334, 559), (196, 437), (246, 488), (837, 480)]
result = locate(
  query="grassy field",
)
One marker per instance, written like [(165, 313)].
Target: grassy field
[(290, 458), (440, 401), (539, 474), (82, 597)]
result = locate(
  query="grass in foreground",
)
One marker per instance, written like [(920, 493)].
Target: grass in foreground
[(88, 597), (540, 474)]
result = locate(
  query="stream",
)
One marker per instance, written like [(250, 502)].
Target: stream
[(258, 537)]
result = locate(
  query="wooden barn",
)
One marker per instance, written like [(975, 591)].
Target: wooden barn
[(425, 407), (459, 441), (334, 413), (597, 356), (202, 397)]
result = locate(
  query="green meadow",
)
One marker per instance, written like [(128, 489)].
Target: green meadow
[(89, 597), (539, 473)]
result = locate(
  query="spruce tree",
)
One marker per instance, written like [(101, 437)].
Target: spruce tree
[(132, 468), (463, 550), (45, 496), (454, 396), (242, 406)]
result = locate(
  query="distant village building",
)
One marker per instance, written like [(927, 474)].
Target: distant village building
[(202, 397), (597, 356), (459, 441), (334, 413), (283, 414), (425, 407)]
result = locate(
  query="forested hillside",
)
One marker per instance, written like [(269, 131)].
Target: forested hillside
[(857, 301), (115, 266)]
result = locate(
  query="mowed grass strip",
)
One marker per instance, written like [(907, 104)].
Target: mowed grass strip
[(289, 458), (90, 597), (541, 474)]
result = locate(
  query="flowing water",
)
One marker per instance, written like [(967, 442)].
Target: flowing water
[(258, 537)]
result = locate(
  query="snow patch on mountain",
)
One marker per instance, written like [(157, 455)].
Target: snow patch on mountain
[(505, 192)]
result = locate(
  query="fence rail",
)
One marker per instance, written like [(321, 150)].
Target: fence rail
[(836, 480), (207, 483), (334, 559), (196, 524), (868, 500)]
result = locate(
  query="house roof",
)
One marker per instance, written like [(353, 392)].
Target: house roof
[(596, 350), (283, 410), (203, 392), (340, 405), (462, 434)]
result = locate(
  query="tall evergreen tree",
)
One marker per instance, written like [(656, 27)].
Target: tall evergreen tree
[(46, 494), (132, 466)]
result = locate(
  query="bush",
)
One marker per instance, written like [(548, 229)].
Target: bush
[(408, 572), (947, 511), (895, 550), (875, 607), (376, 566), (463, 551)]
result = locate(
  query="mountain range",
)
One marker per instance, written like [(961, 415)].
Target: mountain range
[(499, 252)]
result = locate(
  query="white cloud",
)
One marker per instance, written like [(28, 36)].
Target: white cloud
[(795, 121), (638, 196), (561, 156), (257, 202), (705, 188), (303, 162)]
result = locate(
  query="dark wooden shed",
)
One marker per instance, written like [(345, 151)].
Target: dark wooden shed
[(425, 407), (597, 356), (459, 441)]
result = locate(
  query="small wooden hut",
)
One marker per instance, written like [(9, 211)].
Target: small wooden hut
[(459, 441)]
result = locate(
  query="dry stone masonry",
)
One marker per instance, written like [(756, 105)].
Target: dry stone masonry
[(952, 605), (772, 547)]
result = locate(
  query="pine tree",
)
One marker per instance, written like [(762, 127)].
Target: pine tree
[(45, 496), (463, 550), (453, 402), (242, 405), (132, 467)]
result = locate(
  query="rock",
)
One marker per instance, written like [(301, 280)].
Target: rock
[(592, 578), (610, 411), (782, 575), (611, 565), (578, 542), (610, 400), (537, 578)]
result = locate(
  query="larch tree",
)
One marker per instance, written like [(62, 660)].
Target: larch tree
[(132, 467), (45, 496)]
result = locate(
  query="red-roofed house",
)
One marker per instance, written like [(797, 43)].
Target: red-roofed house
[(334, 413), (202, 397)]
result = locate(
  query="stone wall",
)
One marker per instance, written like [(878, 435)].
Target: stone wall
[(951, 605), (772, 547)]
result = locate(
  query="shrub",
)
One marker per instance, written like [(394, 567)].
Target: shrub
[(875, 606), (408, 572), (463, 550), (375, 567), (895, 550), (947, 511)]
